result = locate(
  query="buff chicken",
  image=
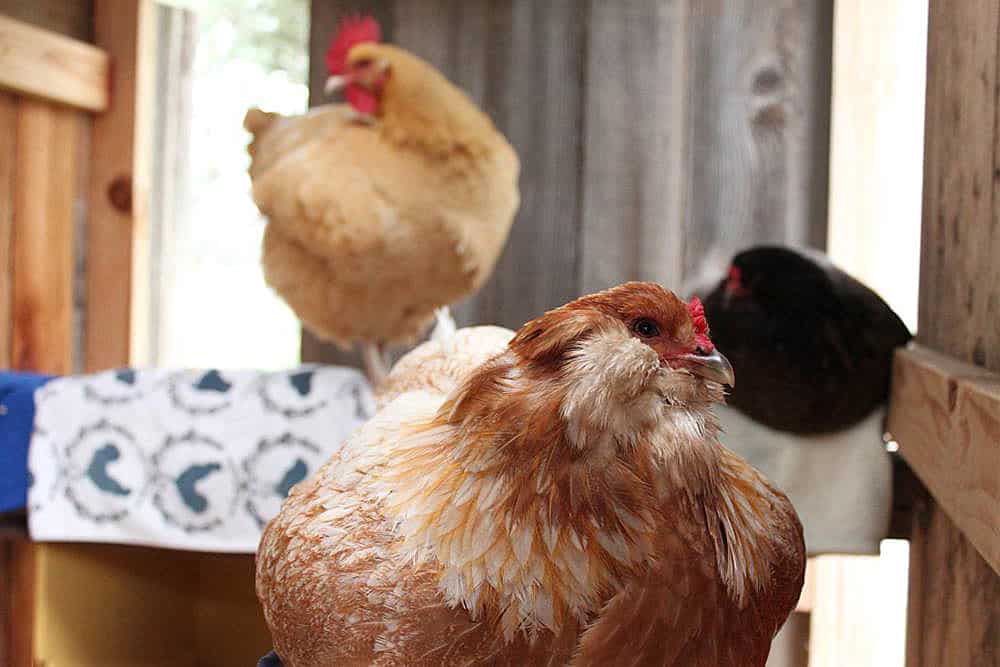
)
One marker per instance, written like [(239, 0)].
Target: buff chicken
[(558, 496), (381, 210)]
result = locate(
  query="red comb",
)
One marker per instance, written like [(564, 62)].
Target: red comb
[(353, 30), (697, 312)]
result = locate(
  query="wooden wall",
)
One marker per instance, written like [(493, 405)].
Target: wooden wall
[(954, 613), (44, 156), (73, 18), (656, 136)]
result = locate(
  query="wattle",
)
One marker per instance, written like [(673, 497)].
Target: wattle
[(361, 99)]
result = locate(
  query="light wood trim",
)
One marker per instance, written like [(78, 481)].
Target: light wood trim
[(8, 157), (117, 230), (59, 69), (945, 415), (47, 177)]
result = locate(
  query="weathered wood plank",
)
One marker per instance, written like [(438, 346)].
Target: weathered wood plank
[(959, 311), (44, 64), (117, 233), (47, 169), (8, 152), (757, 105), (946, 416), (631, 226), (953, 615), (535, 95)]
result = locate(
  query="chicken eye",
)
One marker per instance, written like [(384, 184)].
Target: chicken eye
[(363, 63), (646, 327)]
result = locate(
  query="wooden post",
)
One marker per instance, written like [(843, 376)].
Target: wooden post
[(954, 612), (117, 233)]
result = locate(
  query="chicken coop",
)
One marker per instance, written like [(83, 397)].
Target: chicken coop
[(657, 138)]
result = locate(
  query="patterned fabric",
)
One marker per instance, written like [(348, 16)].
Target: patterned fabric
[(17, 418), (196, 460)]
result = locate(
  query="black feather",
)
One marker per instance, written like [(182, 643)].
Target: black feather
[(811, 346)]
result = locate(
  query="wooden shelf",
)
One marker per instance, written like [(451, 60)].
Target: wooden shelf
[(945, 415)]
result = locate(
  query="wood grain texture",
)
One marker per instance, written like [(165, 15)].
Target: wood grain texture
[(8, 153), (946, 416), (47, 175), (72, 18), (631, 226), (117, 233), (954, 617), (757, 97), (535, 96), (43, 64), (959, 311)]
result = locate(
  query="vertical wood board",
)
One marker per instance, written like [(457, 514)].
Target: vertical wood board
[(959, 310), (954, 617), (757, 96), (117, 233), (8, 153), (48, 164), (633, 145)]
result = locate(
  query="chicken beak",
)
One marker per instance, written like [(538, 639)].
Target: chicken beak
[(714, 367), (335, 83)]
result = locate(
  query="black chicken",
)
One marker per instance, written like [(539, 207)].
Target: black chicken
[(811, 345)]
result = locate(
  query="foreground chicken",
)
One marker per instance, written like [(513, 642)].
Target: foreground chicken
[(562, 499), (386, 208)]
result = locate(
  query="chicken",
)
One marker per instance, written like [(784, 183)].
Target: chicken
[(383, 209), (814, 346), (558, 496)]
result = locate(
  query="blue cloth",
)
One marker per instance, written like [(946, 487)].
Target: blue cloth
[(17, 420)]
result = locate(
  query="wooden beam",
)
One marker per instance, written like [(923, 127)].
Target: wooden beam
[(117, 231), (952, 613), (42, 64), (945, 415), (47, 175), (8, 146)]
